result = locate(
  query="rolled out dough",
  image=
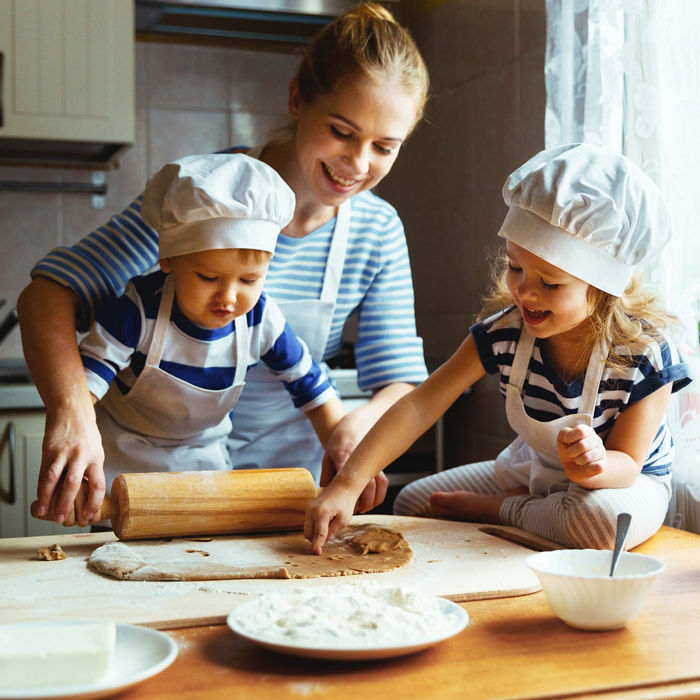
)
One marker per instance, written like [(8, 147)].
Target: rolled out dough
[(358, 549)]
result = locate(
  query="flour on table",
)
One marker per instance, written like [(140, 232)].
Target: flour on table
[(343, 616), (358, 549)]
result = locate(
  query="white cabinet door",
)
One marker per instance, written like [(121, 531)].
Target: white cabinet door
[(67, 69), (22, 433)]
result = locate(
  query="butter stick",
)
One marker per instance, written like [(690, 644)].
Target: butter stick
[(55, 654)]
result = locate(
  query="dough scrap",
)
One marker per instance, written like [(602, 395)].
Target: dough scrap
[(51, 553), (358, 549)]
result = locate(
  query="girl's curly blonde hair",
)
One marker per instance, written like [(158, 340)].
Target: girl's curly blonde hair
[(633, 320)]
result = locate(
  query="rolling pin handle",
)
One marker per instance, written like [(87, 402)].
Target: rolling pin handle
[(106, 511)]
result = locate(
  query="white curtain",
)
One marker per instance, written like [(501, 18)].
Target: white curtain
[(625, 74)]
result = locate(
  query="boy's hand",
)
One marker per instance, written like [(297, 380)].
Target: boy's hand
[(327, 514), (581, 452)]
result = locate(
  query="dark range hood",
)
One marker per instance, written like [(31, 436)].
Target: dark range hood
[(275, 23)]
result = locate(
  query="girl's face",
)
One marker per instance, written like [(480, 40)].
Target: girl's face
[(213, 287), (551, 301), (347, 140)]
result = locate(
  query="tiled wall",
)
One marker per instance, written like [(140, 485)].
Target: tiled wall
[(189, 99), (485, 117)]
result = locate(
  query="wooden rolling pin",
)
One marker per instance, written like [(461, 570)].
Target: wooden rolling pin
[(175, 504)]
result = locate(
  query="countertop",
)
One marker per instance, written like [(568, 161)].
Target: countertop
[(512, 648), (22, 395), (17, 392), (19, 397)]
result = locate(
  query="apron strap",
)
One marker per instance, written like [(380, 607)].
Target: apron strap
[(521, 360), (591, 382), (242, 350), (336, 254), (160, 329)]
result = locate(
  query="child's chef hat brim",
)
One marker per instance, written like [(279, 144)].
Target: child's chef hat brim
[(214, 201), (588, 211)]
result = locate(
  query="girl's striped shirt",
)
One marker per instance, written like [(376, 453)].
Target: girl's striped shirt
[(546, 396)]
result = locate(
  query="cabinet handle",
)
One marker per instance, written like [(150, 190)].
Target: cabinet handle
[(8, 437)]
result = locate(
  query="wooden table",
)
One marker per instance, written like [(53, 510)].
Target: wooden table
[(512, 648)]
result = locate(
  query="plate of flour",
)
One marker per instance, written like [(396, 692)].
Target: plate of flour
[(350, 621)]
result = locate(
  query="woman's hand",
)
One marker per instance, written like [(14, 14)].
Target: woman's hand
[(346, 436), (71, 453), (581, 452), (328, 513)]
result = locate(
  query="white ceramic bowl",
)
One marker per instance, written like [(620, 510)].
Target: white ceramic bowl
[(579, 590)]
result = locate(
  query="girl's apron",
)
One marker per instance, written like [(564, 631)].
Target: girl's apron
[(531, 459), (267, 430), (165, 423)]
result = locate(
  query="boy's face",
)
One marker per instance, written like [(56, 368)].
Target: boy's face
[(213, 287)]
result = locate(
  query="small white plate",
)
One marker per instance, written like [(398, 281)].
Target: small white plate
[(140, 653), (457, 616)]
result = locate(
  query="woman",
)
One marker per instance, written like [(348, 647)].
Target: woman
[(357, 95)]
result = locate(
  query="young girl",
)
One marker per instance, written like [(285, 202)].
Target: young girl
[(359, 91), (585, 368)]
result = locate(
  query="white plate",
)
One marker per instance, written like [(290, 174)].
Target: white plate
[(140, 653), (457, 616)]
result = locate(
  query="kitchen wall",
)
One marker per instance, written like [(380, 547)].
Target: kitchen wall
[(190, 98), (485, 117)]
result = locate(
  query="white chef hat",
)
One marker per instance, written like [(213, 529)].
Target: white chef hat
[(588, 211), (213, 201)]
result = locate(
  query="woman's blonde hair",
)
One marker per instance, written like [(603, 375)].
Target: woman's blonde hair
[(634, 319), (367, 42)]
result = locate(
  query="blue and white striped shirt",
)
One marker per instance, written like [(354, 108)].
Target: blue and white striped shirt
[(117, 345), (376, 281), (546, 396)]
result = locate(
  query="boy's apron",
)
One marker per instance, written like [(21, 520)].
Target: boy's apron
[(165, 423), (267, 430), (531, 459)]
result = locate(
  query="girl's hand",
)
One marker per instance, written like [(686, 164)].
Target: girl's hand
[(581, 452), (327, 514)]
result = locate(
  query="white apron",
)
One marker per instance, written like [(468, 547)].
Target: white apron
[(165, 423), (531, 459), (267, 430)]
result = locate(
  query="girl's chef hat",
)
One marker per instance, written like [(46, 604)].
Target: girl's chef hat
[(213, 201), (588, 211)]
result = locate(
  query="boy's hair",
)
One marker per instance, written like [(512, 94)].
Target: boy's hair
[(368, 42), (248, 254), (634, 319)]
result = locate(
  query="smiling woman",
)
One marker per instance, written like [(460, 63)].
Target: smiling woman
[(358, 93)]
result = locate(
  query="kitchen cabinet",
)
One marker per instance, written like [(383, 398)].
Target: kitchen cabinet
[(67, 71), (22, 433)]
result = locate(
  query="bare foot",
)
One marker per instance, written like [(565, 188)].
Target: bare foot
[(472, 507)]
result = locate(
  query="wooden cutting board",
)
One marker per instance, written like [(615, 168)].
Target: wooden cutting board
[(450, 559)]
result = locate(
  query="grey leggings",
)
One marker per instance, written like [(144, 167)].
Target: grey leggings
[(575, 517)]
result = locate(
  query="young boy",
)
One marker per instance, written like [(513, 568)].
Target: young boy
[(167, 360)]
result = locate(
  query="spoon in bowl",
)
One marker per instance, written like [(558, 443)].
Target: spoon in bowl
[(623, 525)]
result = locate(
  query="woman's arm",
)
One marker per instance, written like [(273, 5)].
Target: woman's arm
[(72, 447), (617, 462), (69, 286)]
